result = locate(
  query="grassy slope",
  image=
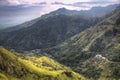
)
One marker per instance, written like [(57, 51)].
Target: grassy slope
[(14, 68)]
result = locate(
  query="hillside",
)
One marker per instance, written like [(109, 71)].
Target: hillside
[(102, 39), (33, 68), (46, 32)]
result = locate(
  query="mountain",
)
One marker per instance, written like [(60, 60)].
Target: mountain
[(46, 32), (33, 68), (93, 12), (99, 11), (20, 26), (93, 52)]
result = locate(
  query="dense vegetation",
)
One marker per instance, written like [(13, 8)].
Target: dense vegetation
[(47, 32), (103, 39), (33, 68)]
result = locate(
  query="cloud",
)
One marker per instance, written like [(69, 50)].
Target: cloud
[(22, 7), (66, 3), (3, 2), (9, 2), (31, 2), (23, 10), (72, 5), (89, 4), (47, 6), (21, 2)]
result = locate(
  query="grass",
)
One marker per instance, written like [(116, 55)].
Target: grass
[(33, 68), (3, 77)]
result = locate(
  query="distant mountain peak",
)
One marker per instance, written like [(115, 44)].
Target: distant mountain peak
[(62, 9)]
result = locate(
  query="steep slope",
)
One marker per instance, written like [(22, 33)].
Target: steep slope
[(46, 32), (103, 39), (15, 68)]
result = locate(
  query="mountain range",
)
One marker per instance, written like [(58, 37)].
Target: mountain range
[(46, 32), (90, 46), (50, 29), (93, 12)]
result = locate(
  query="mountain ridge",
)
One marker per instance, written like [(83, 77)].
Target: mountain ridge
[(85, 13)]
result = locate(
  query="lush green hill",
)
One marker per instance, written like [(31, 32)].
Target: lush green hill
[(33, 68), (103, 39)]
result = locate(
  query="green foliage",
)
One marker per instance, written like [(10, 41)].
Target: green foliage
[(3, 77), (118, 21), (80, 50), (33, 68)]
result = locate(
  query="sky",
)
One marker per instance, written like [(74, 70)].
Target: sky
[(14, 12)]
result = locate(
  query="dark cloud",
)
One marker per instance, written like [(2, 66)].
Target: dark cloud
[(3, 2), (59, 3), (82, 3), (6, 11), (78, 4), (42, 3), (17, 3), (74, 4)]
